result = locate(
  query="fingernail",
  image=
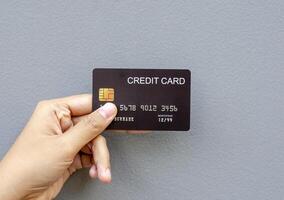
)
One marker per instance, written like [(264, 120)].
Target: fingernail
[(107, 110), (104, 173), (108, 174)]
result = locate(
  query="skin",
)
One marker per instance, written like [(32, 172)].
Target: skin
[(61, 137)]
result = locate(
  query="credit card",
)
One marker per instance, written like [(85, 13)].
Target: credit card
[(146, 99)]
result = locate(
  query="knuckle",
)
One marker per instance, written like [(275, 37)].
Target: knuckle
[(95, 122), (101, 139), (42, 104)]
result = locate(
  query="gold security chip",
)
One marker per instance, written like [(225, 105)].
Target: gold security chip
[(106, 94)]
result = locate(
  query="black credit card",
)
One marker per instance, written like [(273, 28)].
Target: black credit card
[(146, 99)]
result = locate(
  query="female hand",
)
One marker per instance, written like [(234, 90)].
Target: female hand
[(61, 137)]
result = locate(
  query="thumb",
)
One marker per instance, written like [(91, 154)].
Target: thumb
[(87, 129)]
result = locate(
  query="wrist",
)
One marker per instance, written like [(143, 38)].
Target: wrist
[(8, 188), (11, 185)]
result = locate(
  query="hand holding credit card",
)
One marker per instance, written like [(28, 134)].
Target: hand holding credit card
[(146, 99)]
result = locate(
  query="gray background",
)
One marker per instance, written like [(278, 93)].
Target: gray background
[(235, 51)]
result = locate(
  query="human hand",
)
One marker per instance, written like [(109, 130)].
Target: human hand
[(61, 137)]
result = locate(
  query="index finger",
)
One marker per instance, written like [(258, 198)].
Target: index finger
[(77, 104)]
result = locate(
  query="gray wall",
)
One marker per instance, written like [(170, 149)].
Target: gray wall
[(235, 51)]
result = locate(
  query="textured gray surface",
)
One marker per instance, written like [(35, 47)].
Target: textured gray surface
[(235, 51)]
